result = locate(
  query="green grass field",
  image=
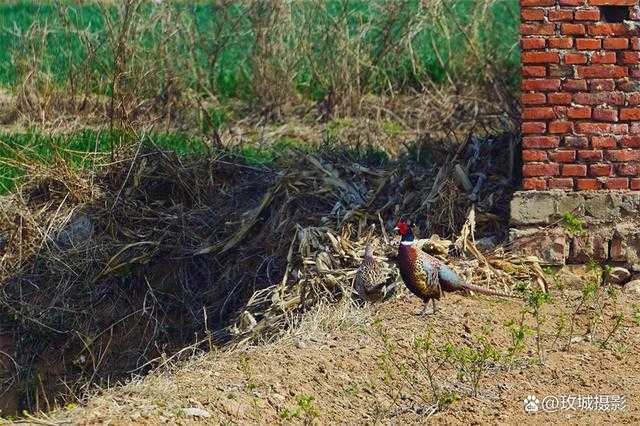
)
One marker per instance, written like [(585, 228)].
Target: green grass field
[(203, 56), (436, 43)]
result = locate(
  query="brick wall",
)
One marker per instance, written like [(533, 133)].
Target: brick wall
[(580, 94)]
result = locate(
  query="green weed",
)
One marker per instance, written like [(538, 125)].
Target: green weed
[(573, 224)]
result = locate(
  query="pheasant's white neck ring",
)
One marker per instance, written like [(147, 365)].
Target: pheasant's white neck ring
[(406, 243)]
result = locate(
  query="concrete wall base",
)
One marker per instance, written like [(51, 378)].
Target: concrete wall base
[(547, 224)]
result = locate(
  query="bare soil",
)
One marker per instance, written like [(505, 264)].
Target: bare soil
[(349, 365)]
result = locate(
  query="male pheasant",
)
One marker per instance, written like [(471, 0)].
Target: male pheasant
[(426, 276), (370, 278)]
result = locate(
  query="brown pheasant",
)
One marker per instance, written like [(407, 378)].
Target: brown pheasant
[(370, 281)]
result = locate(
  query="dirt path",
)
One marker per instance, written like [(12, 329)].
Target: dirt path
[(355, 366)]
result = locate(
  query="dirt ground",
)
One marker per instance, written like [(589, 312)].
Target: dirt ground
[(348, 365)]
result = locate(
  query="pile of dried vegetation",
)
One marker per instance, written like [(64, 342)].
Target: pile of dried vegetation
[(106, 273)]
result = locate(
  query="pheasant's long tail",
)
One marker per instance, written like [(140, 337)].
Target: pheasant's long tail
[(451, 281)]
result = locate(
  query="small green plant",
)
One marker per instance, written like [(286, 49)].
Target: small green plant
[(573, 224), (392, 128), (308, 408), (614, 329), (591, 299), (305, 409), (518, 332), (447, 398), (636, 314), (553, 275), (286, 414), (535, 299), (471, 362), (561, 325), (421, 367)]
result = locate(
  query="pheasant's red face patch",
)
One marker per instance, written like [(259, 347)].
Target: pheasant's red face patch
[(403, 227)]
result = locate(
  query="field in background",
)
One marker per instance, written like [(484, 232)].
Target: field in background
[(224, 49), (248, 74)]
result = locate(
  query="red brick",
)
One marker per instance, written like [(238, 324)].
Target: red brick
[(530, 184), (537, 29), (575, 58), (533, 155), (610, 98), (559, 98), (630, 57), (587, 15), (561, 183), (617, 183), (563, 156), (633, 98), (561, 111), (572, 2), (630, 114), (628, 169), (573, 29), (603, 114), (562, 71), (576, 141), (533, 127), (619, 129), (540, 57), (612, 2), (628, 85), (560, 127), (574, 170), (540, 84), (611, 43), (634, 184), (588, 43), (603, 142), (538, 113), (540, 142), (561, 15), (602, 71), (622, 155), (533, 43), (630, 141), (540, 169), (635, 43), (590, 155), (574, 85), (588, 184), (606, 29), (600, 169), (534, 71), (532, 14), (593, 128), (603, 58), (579, 112), (525, 3), (599, 85), (561, 42), (533, 98)]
